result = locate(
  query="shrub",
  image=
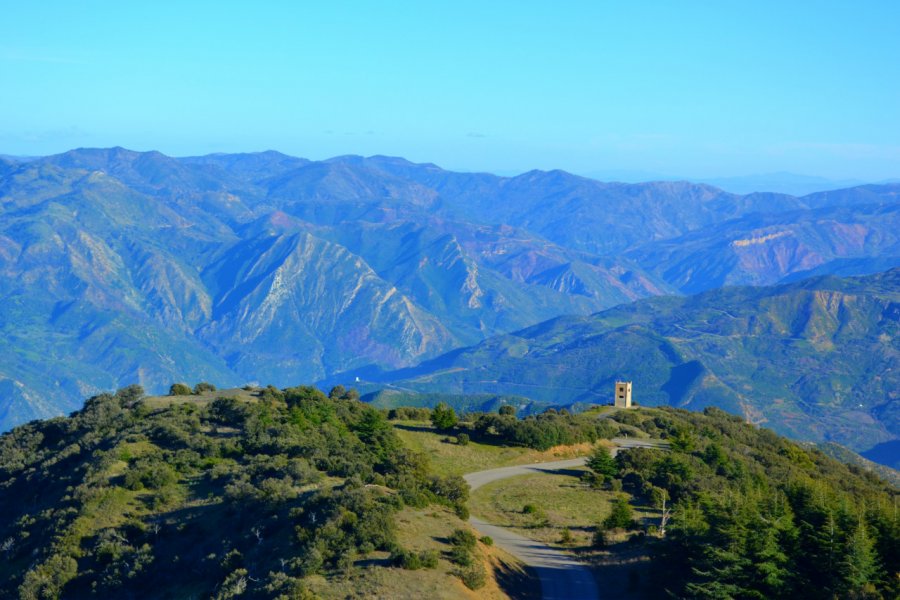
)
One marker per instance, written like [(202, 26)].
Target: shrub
[(486, 540), (179, 389), (598, 539), (460, 556), (443, 416), (429, 559), (463, 538), (538, 515), (204, 386), (474, 577), (462, 439), (409, 413), (566, 537), (406, 560), (602, 463), (621, 515)]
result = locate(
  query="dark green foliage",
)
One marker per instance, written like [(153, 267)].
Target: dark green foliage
[(507, 410), (602, 463), (129, 396), (621, 516), (756, 516), (405, 559), (464, 538), (409, 413), (180, 389), (443, 417), (473, 576), (541, 432), (204, 386), (462, 552), (462, 439), (227, 500), (486, 540)]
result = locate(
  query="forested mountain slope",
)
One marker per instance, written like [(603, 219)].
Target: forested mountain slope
[(817, 359)]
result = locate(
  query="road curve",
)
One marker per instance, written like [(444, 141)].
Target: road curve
[(562, 577)]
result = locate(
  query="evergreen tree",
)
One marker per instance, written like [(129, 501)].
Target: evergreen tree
[(602, 463), (443, 416), (860, 562)]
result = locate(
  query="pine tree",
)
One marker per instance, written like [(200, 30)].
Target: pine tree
[(602, 463), (860, 562), (443, 416)]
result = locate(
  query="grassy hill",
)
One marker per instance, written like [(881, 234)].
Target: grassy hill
[(286, 494), (292, 494), (747, 513)]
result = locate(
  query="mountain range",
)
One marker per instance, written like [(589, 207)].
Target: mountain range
[(817, 359), (119, 267)]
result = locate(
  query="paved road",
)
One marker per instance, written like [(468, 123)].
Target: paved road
[(562, 577)]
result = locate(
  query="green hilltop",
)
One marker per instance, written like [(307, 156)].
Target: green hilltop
[(266, 493)]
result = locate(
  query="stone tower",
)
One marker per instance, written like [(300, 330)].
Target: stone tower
[(623, 394)]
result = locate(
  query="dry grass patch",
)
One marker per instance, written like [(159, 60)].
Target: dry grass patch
[(203, 398), (449, 458), (419, 530)]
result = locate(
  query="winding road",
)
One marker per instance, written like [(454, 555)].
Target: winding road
[(562, 577)]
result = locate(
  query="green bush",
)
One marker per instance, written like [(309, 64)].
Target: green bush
[(204, 386), (463, 538), (474, 576), (462, 439), (443, 417), (487, 540), (429, 559), (621, 516), (179, 389), (460, 556), (602, 463), (405, 559)]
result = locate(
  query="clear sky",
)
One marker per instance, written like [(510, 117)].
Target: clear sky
[(699, 89)]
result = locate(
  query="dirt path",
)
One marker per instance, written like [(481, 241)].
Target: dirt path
[(562, 577)]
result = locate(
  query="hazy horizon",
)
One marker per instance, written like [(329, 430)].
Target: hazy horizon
[(778, 181), (690, 90)]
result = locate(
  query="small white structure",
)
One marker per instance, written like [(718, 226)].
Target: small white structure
[(623, 394)]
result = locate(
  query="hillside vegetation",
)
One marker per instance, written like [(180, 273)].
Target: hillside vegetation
[(292, 495), (751, 515), (722, 509), (817, 360)]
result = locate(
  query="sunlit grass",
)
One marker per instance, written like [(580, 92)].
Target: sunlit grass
[(449, 458)]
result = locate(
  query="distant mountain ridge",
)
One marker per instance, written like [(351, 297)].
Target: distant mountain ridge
[(119, 266), (817, 359)]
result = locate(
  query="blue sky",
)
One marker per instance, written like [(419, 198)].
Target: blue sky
[(699, 89)]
